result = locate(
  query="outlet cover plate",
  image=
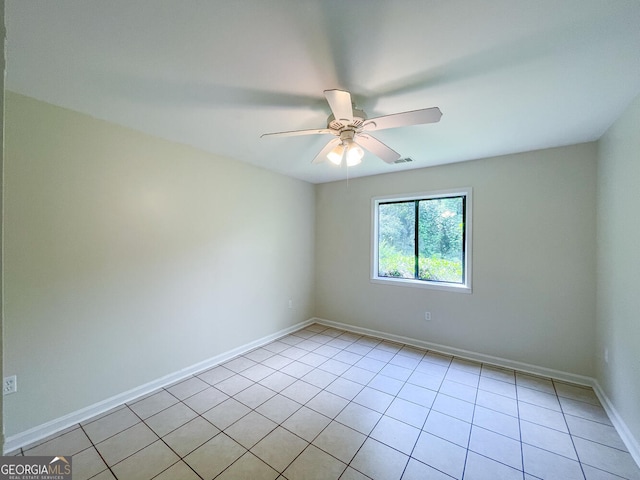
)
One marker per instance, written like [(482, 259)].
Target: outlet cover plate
[(9, 385)]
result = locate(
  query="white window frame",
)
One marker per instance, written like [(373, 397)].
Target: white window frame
[(409, 282)]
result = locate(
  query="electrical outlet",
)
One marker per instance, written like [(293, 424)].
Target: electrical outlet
[(427, 316), (606, 355), (10, 385), (290, 303)]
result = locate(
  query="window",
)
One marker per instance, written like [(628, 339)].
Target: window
[(423, 240)]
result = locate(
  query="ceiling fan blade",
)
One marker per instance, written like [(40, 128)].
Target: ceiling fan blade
[(378, 148), (322, 155), (317, 131), (404, 119), (340, 103)]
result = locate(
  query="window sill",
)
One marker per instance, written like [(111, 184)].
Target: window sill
[(406, 282)]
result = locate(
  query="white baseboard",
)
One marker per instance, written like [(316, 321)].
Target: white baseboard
[(627, 437), (466, 354), (621, 427), (54, 426)]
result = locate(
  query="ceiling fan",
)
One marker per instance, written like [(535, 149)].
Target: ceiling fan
[(351, 127)]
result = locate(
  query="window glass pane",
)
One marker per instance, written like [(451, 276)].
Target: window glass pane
[(440, 240), (396, 240)]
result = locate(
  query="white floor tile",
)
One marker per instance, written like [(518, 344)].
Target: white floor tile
[(247, 466), (188, 387), (544, 464), (606, 458), (453, 407), (543, 416), (146, 463), (278, 408), (449, 428), (250, 429), (169, 419), (257, 372), (374, 399), (440, 454), (497, 422), (584, 410), (255, 395), (479, 467), (498, 373), (576, 392), (595, 431), (345, 388), (416, 470), (418, 395), (111, 424), (359, 418), (537, 397), (463, 376), (314, 464), (459, 390), (395, 434), (327, 403), (397, 372), (306, 423), (277, 381), (379, 462), (190, 436), (340, 441), (233, 385), (206, 399), (279, 448), (227, 413), (153, 404), (547, 439), (537, 383), (319, 378), (407, 412), (212, 458), (358, 375), (497, 386), (497, 447), (300, 391), (386, 384), (496, 402)]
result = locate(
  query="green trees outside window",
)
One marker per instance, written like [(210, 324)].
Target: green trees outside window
[(422, 239)]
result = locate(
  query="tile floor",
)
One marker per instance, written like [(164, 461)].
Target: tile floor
[(326, 404)]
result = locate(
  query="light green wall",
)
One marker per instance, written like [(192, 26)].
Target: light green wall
[(128, 258), (618, 309), (534, 232), (3, 33)]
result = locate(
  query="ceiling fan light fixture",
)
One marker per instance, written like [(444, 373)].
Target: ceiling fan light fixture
[(335, 155), (354, 154)]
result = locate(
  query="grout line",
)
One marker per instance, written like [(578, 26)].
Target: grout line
[(466, 456), (515, 379), (99, 454), (575, 450)]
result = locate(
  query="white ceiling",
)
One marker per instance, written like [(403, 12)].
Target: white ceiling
[(508, 75)]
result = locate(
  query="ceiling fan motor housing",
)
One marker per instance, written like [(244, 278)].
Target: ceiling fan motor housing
[(336, 126)]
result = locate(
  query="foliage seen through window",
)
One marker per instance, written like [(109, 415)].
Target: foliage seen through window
[(422, 239)]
